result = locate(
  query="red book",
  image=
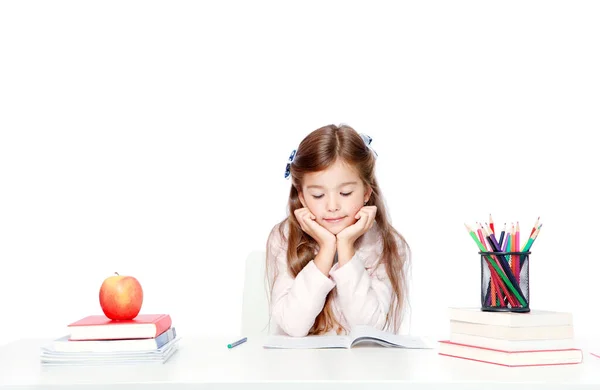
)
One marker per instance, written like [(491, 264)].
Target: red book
[(99, 327), (511, 358)]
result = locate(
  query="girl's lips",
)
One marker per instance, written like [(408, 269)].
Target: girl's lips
[(333, 220)]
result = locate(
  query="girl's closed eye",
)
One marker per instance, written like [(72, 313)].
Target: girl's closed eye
[(317, 196), (346, 193)]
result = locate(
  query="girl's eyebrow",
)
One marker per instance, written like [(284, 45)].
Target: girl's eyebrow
[(341, 185)]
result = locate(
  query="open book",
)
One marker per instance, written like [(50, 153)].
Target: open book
[(358, 335)]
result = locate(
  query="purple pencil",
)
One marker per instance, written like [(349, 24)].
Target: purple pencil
[(505, 241), (493, 238)]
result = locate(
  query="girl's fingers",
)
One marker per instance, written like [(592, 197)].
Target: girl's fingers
[(301, 216), (363, 219), (372, 213), (300, 213), (306, 220)]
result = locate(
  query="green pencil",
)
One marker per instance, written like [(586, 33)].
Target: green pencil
[(529, 242), (528, 245)]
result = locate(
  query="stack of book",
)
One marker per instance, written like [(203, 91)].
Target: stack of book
[(511, 339), (97, 340)]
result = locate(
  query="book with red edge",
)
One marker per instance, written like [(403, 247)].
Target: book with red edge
[(99, 327), (511, 358), (512, 345)]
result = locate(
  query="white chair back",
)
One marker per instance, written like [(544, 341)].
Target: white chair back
[(255, 305)]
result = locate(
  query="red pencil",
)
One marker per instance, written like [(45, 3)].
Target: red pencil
[(483, 241), (495, 289), (535, 225), (492, 224)]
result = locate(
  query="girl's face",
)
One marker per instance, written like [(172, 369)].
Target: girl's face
[(334, 196)]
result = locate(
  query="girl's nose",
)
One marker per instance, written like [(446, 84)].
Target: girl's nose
[(333, 206)]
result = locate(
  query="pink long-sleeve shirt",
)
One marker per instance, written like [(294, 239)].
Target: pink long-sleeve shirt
[(362, 288)]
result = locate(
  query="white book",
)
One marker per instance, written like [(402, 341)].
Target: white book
[(64, 344), (533, 318), (358, 335), (552, 332), (59, 361), (511, 345), (48, 356)]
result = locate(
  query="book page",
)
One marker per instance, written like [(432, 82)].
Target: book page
[(307, 342), (367, 333)]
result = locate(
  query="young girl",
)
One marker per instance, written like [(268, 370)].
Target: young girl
[(335, 262)]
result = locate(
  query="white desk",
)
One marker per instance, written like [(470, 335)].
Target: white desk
[(208, 364)]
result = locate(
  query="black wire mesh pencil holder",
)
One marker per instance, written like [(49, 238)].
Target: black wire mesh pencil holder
[(505, 281)]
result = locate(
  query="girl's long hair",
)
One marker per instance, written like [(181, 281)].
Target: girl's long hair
[(319, 150)]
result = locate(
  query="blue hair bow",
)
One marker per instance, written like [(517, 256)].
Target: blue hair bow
[(288, 167), (367, 140)]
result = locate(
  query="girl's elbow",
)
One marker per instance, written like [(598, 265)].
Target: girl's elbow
[(292, 325), (294, 330)]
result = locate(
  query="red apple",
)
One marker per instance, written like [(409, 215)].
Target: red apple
[(121, 297)]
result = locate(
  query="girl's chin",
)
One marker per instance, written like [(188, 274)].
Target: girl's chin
[(334, 229)]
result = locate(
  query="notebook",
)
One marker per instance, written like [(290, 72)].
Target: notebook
[(358, 335), (161, 355), (63, 344)]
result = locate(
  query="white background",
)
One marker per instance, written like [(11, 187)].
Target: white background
[(150, 138)]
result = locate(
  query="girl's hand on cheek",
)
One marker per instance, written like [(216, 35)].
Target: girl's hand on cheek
[(308, 223), (365, 219)]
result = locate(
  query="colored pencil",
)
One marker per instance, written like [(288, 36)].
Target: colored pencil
[(506, 241), (511, 248), (535, 225), (511, 282), (490, 233), (532, 239), (480, 235), (501, 241), (493, 292), (499, 288), (528, 244), (517, 258)]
